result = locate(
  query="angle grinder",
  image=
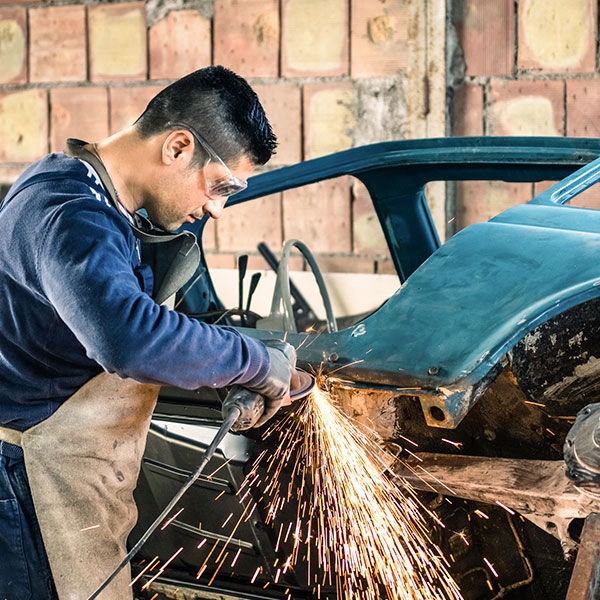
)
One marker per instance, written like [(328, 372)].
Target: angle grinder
[(241, 410), (250, 405)]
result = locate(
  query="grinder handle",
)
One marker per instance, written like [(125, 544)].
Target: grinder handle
[(250, 404)]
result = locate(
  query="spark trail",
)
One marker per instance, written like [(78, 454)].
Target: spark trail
[(354, 528)]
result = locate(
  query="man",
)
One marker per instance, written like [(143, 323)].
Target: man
[(83, 344)]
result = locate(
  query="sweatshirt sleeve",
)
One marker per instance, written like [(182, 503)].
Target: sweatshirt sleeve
[(85, 270)]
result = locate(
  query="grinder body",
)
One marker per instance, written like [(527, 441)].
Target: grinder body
[(251, 404)]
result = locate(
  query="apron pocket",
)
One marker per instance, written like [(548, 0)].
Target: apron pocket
[(14, 575)]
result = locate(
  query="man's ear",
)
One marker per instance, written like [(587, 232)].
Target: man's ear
[(178, 145)]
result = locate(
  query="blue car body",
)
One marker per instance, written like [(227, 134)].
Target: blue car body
[(425, 359), (463, 305)]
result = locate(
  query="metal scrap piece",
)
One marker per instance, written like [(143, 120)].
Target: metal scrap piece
[(537, 489)]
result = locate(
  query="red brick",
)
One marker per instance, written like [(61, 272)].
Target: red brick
[(379, 37), (217, 260), (297, 263), (526, 108), (246, 37), (11, 2), (243, 227), (128, 103), (57, 43), (385, 266), (486, 33), (367, 236), (118, 42), (8, 175), (77, 112), (329, 118), (541, 186), (556, 36), (13, 45), (467, 110), (179, 44), (258, 263), (23, 125), (319, 215), (583, 107), (478, 201), (281, 102), (346, 264), (314, 38), (588, 199), (209, 235)]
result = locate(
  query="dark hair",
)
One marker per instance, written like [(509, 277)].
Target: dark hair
[(221, 106)]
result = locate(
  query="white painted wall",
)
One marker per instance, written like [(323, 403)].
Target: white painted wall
[(350, 293)]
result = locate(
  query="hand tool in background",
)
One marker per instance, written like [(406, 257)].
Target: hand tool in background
[(241, 410), (253, 285), (242, 265)]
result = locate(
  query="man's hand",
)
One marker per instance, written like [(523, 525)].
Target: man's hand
[(275, 387)]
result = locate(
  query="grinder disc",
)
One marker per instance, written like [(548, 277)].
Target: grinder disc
[(307, 384)]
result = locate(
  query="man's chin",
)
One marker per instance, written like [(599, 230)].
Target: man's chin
[(170, 226)]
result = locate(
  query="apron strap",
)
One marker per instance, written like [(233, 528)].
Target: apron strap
[(12, 436), (175, 262)]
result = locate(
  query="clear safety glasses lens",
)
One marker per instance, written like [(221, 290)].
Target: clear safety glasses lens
[(225, 186)]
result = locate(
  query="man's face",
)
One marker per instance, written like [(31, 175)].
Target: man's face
[(182, 195)]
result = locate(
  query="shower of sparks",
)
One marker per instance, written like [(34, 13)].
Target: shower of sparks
[(356, 362), (162, 570), (354, 528), (409, 441), (489, 564), (456, 444), (236, 557), (167, 523), (148, 566), (508, 510), (258, 570), (341, 518), (224, 464)]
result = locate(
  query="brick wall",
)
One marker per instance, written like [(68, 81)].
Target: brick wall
[(531, 68), (332, 74)]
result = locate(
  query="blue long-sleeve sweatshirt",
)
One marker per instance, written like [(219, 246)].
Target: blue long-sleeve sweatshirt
[(75, 300)]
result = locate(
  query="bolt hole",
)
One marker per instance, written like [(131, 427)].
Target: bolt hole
[(575, 528), (437, 413)]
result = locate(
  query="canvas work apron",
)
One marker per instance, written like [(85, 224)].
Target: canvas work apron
[(83, 463)]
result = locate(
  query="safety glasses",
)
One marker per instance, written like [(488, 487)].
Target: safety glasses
[(224, 185)]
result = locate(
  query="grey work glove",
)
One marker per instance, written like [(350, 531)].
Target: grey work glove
[(275, 387)]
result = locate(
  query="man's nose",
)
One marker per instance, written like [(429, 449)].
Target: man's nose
[(214, 207)]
